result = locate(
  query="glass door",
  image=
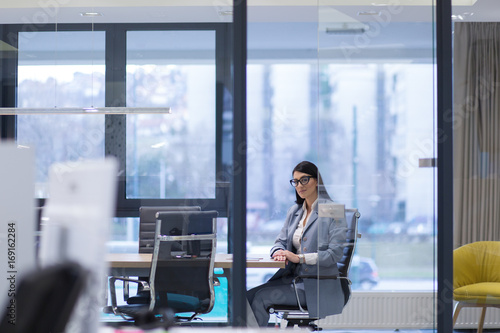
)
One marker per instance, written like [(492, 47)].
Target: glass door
[(372, 137), (351, 87)]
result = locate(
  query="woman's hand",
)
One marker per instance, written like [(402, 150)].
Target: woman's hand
[(279, 255), (285, 255)]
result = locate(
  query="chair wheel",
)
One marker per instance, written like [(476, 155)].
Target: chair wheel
[(314, 327)]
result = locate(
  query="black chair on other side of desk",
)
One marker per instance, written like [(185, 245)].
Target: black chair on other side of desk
[(181, 275), (147, 223), (147, 227)]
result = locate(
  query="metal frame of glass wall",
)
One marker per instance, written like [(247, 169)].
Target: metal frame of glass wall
[(444, 167)]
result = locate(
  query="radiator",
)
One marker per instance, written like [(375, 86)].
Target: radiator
[(401, 310)]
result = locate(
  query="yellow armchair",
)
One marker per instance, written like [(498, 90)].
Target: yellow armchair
[(476, 277)]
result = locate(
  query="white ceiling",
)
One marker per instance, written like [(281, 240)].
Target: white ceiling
[(280, 28), (68, 11)]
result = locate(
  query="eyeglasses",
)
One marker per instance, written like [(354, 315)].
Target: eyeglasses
[(303, 180)]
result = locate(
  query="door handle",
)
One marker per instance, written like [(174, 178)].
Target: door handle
[(430, 162)]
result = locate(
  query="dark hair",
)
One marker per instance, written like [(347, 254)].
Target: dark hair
[(311, 169)]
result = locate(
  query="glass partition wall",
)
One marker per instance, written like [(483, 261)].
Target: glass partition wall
[(348, 86), (139, 56), (351, 88), (376, 140)]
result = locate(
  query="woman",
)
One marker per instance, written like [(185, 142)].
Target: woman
[(311, 246)]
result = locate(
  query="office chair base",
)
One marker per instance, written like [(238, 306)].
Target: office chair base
[(144, 318), (301, 322), (291, 324), (187, 319)]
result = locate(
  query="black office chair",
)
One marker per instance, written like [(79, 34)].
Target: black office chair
[(147, 226), (298, 315), (181, 275), (45, 299)]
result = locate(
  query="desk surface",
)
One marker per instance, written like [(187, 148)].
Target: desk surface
[(222, 260)]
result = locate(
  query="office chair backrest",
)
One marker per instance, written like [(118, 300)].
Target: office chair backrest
[(183, 258), (352, 215), (45, 299), (147, 223)]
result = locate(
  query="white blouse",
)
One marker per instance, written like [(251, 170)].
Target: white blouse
[(309, 258)]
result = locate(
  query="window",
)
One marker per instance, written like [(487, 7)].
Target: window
[(169, 159), (365, 124), (60, 69), (174, 157), (171, 156)]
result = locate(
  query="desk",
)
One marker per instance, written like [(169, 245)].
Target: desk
[(138, 264)]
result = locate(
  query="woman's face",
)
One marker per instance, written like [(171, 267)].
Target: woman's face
[(308, 191)]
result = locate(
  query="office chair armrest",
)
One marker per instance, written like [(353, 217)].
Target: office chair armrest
[(321, 277), (186, 237), (345, 278), (112, 289)]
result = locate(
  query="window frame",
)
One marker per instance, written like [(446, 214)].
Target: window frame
[(115, 96)]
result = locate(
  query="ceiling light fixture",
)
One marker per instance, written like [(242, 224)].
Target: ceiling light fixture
[(346, 28), (369, 13), (89, 110), (345, 31), (159, 145), (91, 14)]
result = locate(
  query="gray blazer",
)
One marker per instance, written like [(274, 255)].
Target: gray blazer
[(327, 237)]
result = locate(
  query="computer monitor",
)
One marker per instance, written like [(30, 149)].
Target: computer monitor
[(75, 227)]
